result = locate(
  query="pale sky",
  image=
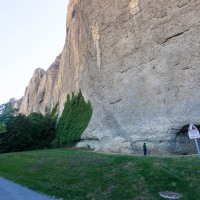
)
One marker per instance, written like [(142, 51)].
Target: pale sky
[(32, 34)]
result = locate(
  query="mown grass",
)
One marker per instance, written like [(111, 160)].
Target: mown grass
[(74, 174)]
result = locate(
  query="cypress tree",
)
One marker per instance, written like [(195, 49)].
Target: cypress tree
[(74, 120)]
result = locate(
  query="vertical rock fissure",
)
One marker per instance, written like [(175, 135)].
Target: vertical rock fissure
[(96, 39)]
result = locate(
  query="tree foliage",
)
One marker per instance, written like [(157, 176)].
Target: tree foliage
[(2, 128), (20, 132), (74, 120), (18, 136), (43, 129), (54, 112), (6, 111)]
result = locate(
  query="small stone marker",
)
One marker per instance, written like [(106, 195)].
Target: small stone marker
[(170, 195)]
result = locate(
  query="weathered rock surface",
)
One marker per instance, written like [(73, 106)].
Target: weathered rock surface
[(29, 98), (15, 103), (138, 63), (41, 94)]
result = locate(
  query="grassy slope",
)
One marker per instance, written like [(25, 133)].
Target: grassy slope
[(73, 174)]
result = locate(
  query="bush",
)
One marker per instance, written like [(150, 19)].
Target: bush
[(74, 120), (2, 128), (43, 130), (20, 132), (18, 135)]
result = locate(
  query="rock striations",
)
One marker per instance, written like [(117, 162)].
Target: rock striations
[(15, 103), (138, 62), (41, 95)]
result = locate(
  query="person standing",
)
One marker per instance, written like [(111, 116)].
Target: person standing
[(145, 149)]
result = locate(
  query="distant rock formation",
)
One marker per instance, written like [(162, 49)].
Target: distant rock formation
[(15, 103), (41, 94), (138, 62)]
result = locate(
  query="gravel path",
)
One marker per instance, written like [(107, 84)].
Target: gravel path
[(13, 191)]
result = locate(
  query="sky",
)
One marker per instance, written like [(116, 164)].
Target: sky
[(32, 34)]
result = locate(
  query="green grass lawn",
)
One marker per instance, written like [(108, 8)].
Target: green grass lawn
[(75, 174)]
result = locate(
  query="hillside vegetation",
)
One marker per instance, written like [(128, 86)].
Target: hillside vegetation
[(74, 120), (36, 131), (19, 132), (78, 175)]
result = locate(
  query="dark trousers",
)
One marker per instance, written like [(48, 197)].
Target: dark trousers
[(145, 152)]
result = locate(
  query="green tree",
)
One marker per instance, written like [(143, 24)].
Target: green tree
[(2, 128), (19, 132), (18, 136), (54, 112), (6, 111), (43, 129), (74, 120)]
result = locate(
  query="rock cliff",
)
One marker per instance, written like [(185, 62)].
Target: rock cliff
[(15, 103), (138, 62), (41, 95)]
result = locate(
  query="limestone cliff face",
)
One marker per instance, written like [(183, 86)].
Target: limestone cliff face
[(138, 62), (41, 94), (15, 103), (28, 102)]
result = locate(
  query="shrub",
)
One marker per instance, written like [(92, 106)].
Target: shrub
[(43, 128), (20, 132), (18, 135), (74, 120), (2, 128)]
